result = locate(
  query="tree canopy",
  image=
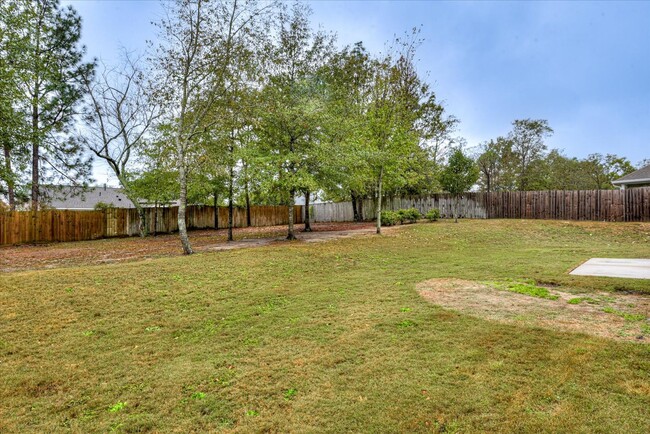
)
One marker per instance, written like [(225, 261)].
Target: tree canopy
[(244, 102)]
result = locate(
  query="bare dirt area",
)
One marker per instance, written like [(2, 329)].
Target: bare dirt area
[(107, 251), (611, 315)]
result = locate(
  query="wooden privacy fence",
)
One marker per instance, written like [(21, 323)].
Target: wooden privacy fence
[(470, 205), (19, 227), (631, 205)]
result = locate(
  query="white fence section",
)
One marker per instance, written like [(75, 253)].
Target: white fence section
[(332, 212), (468, 207)]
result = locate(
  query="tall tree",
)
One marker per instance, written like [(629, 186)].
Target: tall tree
[(198, 42), (497, 164), (603, 169), (563, 173), (291, 105), (52, 67), (233, 116), (118, 116), (488, 164), (348, 79), (13, 128), (527, 138), (460, 174), (398, 117)]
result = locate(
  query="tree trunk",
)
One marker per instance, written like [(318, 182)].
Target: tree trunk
[(11, 195), (355, 212), (456, 211), (182, 208), (143, 222), (230, 204), (307, 216), (35, 117), (247, 196), (360, 207), (292, 201), (216, 210), (35, 154), (248, 209), (379, 185), (155, 218)]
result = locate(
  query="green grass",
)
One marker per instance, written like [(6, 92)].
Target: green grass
[(625, 315), (579, 300), (320, 337), (524, 287)]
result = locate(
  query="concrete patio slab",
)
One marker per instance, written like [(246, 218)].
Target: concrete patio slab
[(608, 267)]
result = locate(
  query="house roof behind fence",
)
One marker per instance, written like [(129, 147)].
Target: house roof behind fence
[(641, 175), (69, 197)]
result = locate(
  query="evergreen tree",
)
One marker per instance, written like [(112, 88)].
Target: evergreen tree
[(50, 68)]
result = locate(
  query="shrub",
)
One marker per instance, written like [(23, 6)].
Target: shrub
[(389, 218), (101, 206), (433, 215), (410, 215)]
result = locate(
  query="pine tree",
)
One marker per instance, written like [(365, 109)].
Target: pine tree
[(50, 67)]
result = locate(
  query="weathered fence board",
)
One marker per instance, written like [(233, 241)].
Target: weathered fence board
[(632, 205), (470, 205), (20, 227)]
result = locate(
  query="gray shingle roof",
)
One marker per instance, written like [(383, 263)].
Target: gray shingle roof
[(643, 174), (68, 197)]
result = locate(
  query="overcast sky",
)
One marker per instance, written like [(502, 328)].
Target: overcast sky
[(583, 66)]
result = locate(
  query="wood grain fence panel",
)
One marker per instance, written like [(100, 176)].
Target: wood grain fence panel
[(19, 227), (593, 205)]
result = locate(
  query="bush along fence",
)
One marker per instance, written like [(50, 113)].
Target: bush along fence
[(469, 206), (20, 227), (631, 205)]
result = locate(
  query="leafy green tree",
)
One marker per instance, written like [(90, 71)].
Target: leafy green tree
[(495, 163), (603, 169), (460, 174), (233, 134), (564, 173), (397, 118), (155, 182), (198, 43), (51, 67), (348, 78), (291, 106), (488, 164), (527, 138)]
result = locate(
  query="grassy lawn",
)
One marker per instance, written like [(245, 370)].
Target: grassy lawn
[(320, 337)]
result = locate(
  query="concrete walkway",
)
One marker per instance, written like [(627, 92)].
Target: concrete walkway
[(606, 267)]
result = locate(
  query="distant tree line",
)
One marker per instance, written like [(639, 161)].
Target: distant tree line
[(522, 161), (244, 102)]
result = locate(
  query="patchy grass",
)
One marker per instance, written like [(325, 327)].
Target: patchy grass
[(625, 315), (120, 250), (524, 287), (578, 300), (556, 313), (216, 341)]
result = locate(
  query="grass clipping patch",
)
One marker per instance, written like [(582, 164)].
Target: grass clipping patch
[(609, 315)]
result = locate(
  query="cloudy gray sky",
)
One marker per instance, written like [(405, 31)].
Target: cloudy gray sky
[(583, 66)]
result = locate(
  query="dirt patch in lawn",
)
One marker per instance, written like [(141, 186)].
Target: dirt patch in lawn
[(610, 315), (116, 250)]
